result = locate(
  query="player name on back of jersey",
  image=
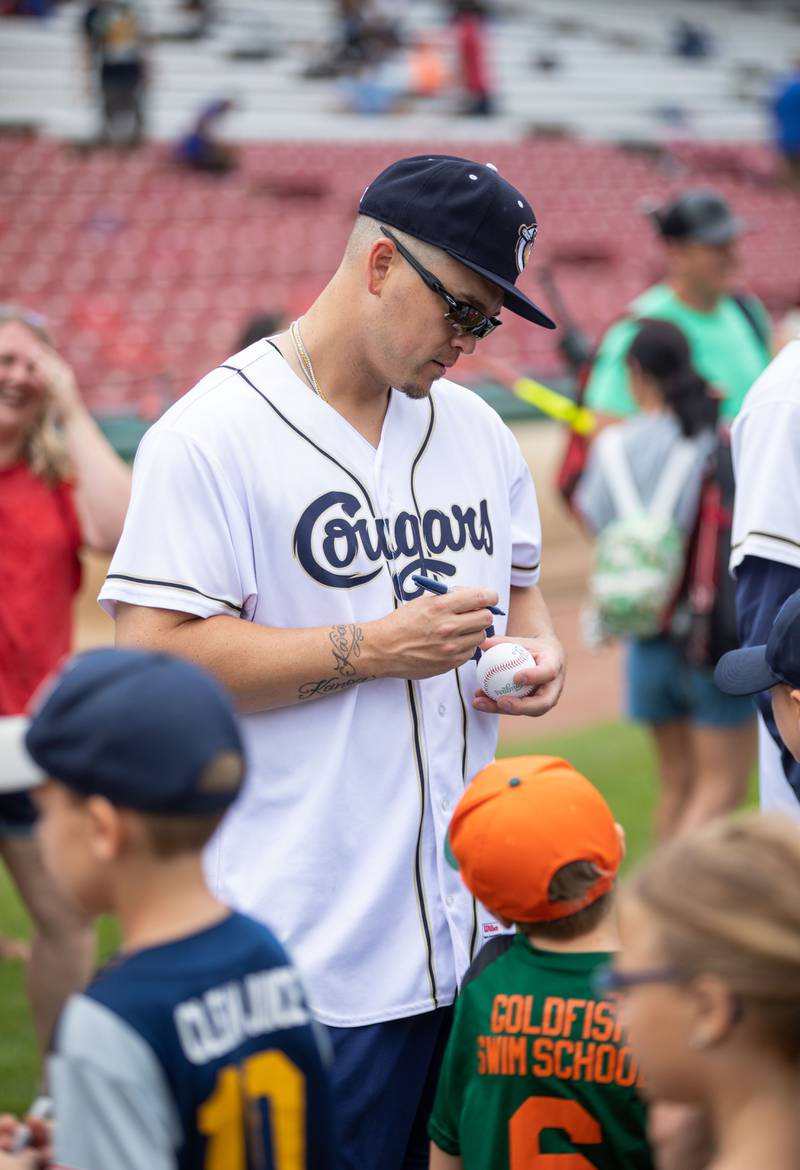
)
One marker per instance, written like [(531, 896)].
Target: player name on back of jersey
[(216, 1023), (569, 1039)]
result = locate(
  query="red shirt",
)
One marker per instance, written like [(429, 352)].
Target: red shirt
[(472, 47), (39, 576)]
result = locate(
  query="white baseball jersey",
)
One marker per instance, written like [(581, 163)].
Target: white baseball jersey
[(253, 498), (765, 441)]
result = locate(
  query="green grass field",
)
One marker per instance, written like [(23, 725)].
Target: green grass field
[(615, 756)]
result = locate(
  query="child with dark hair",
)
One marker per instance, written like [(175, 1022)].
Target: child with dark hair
[(536, 1065), (704, 740)]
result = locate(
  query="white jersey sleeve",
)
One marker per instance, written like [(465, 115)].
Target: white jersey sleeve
[(525, 524), (526, 530), (186, 538), (766, 458), (113, 1104)]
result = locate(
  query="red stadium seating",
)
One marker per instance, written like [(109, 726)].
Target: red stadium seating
[(147, 274)]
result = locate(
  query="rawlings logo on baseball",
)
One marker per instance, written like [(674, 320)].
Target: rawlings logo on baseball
[(497, 667)]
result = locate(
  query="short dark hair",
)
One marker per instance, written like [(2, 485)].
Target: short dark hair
[(568, 884), (170, 835)]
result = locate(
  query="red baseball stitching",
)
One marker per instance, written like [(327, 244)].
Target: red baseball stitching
[(517, 659)]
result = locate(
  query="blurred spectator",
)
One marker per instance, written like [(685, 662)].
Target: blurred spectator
[(367, 28), (469, 21), (61, 487), (691, 40), (786, 117), (704, 740), (26, 7), (728, 335), (427, 66), (115, 54), (200, 150), (369, 90), (261, 325), (202, 12)]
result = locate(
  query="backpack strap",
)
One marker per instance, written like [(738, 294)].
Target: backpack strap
[(746, 308), (673, 480), (616, 469)]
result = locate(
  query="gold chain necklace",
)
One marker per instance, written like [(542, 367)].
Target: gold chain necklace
[(304, 359)]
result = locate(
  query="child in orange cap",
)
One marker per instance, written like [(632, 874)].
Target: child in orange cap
[(536, 1065)]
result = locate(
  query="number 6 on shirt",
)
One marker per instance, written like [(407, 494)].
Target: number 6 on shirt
[(540, 1113)]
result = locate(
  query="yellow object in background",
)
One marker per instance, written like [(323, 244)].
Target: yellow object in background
[(558, 406)]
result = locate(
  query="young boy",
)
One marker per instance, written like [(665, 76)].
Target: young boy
[(773, 667), (194, 1047), (536, 1065)]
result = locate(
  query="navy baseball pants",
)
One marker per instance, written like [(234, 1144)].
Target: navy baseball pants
[(384, 1081)]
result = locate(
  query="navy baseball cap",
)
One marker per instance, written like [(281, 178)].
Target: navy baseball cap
[(757, 668), (699, 216), (147, 731), (469, 211)]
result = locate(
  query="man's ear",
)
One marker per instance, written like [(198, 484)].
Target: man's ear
[(379, 263), (794, 695), (621, 837)]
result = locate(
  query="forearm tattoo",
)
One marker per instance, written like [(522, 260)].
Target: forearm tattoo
[(345, 643)]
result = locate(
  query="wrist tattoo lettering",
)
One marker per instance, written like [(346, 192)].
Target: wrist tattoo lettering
[(346, 644), (327, 686)]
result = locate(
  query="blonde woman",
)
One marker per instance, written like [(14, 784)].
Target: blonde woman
[(62, 486), (709, 978)]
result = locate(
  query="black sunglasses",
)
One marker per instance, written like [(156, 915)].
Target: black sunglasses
[(464, 318)]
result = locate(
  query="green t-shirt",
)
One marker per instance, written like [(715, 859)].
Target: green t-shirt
[(536, 1065), (724, 345)]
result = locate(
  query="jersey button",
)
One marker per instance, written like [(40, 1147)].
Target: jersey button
[(442, 709), (449, 900), (445, 803)]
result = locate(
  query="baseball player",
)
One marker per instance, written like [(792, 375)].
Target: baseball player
[(194, 1046), (280, 511), (765, 542)]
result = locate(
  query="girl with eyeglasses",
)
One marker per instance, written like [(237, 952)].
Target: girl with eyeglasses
[(709, 984)]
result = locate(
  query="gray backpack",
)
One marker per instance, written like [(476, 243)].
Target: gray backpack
[(640, 555)]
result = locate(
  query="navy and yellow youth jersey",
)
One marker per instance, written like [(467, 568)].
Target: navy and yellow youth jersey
[(199, 1054), (536, 1066)]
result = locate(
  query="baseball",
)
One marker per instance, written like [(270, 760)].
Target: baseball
[(497, 667)]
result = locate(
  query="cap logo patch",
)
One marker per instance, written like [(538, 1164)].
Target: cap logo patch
[(525, 238)]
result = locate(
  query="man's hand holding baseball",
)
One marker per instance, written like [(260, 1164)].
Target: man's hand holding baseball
[(547, 677)]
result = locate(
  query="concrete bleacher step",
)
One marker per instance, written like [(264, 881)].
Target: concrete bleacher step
[(601, 89)]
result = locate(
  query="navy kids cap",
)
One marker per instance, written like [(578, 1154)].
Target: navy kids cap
[(467, 210), (700, 216), (147, 731), (757, 668)]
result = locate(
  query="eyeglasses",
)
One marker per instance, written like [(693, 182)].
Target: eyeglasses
[(608, 981), (463, 317)]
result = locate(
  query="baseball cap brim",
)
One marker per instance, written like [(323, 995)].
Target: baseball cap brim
[(18, 771), (513, 299), (745, 672), (719, 233)]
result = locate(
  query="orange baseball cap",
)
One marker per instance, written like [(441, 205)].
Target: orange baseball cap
[(519, 821)]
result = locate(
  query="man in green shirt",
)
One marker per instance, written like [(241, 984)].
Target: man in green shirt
[(536, 1064), (728, 336)]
